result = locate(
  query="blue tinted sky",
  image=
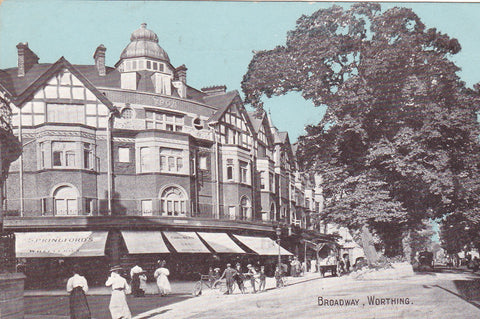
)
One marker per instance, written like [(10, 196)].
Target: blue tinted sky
[(213, 39)]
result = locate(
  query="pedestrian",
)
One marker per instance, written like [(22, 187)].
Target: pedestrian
[(77, 287), (229, 275), (118, 302), (143, 283), (253, 275), (135, 280), (161, 275), (341, 265), (239, 278), (263, 279)]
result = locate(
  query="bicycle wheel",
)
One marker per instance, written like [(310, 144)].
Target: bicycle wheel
[(197, 289), (220, 286)]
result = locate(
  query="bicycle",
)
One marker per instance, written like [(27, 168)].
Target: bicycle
[(210, 283)]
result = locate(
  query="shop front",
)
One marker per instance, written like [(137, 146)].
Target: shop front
[(47, 256)]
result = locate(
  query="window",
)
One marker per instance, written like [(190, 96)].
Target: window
[(171, 160), (173, 202), (124, 154), (203, 162), (230, 169), (197, 123), (146, 160), (149, 65), (42, 155), (163, 121), (243, 172), (155, 66), (263, 177), (66, 113), (65, 199), (89, 206), (272, 182), (147, 209), (43, 206), (127, 113), (63, 154), (87, 156), (174, 122), (231, 212)]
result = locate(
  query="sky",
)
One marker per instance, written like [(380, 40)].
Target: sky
[(214, 40)]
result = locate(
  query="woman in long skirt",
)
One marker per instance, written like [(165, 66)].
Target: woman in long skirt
[(118, 302), (77, 287), (161, 275)]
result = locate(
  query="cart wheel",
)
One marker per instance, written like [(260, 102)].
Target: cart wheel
[(197, 289)]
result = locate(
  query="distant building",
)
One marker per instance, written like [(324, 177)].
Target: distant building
[(121, 152)]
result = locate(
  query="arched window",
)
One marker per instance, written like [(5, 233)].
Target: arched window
[(173, 202), (66, 201), (272, 212), (245, 208), (127, 113)]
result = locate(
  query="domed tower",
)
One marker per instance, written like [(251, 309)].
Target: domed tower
[(143, 57)]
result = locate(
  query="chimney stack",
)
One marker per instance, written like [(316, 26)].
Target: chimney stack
[(215, 90), (26, 58), (181, 73), (99, 57)]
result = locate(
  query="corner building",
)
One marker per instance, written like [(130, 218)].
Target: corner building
[(131, 163)]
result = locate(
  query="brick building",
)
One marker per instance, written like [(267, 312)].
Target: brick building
[(129, 153)]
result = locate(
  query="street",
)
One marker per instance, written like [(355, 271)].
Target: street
[(447, 294), (58, 306)]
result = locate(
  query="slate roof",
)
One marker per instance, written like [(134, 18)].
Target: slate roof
[(256, 122)]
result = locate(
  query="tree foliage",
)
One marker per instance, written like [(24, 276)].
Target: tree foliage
[(399, 142)]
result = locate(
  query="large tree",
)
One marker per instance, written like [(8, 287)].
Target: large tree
[(399, 142)]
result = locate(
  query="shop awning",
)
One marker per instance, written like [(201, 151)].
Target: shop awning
[(221, 243), (186, 242), (263, 246), (60, 244), (144, 242)]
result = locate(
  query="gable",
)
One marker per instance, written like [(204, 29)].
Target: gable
[(62, 98)]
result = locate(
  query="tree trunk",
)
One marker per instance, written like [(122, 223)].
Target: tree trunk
[(406, 245), (368, 246)]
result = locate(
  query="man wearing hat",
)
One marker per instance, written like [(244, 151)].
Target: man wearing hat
[(229, 275), (118, 302), (252, 274)]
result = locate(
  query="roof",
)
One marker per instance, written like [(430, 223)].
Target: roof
[(256, 122), (220, 101), (39, 79), (281, 137), (144, 43)]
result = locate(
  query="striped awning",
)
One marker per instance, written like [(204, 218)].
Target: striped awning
[(60, 244)]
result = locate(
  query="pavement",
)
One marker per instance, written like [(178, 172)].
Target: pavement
[(53, 304), (450, 294)]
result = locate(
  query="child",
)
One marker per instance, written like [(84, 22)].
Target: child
[(143, 283)]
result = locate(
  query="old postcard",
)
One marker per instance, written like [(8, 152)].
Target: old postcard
[(208, 159)]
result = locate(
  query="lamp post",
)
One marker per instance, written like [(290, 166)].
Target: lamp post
[(278, 231)]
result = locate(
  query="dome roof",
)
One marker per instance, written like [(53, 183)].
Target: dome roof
[(144, 43)]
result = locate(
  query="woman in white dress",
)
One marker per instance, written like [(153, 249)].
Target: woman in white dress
[(161, 275), (118, 302)]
